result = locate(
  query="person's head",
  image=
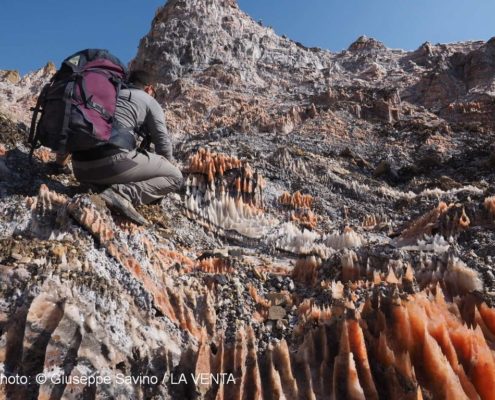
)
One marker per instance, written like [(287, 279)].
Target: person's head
[(142, 80)]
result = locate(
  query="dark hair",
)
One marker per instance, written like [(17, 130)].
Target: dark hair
[(140, 78)]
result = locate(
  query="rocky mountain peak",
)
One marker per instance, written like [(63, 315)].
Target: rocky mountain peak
[(49, 68), (366, 43), (11, 76), (187, 36)]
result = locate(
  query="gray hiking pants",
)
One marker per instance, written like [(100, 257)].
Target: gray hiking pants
[(140, 177)]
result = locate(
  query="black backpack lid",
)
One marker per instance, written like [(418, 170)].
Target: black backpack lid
[(82, 57)]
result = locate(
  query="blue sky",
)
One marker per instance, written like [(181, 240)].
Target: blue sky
[(35, 31)]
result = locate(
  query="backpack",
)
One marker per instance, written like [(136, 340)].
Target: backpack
[(77, 106)]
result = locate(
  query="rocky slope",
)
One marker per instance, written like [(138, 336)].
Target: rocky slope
[(18, 94), (334, 239)]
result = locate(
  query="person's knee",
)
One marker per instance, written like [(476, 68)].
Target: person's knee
[(177, 179)]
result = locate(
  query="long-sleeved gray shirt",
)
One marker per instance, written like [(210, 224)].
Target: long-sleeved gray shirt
[(136, 109)]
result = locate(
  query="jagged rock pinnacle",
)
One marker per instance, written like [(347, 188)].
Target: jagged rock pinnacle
[(366, 43), (189, 36), (49, 68), (11, 76)]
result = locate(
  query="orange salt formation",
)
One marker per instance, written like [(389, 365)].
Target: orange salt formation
[(397, 348), (101, 228), (301, 203), (306, 270), (488, 315), (44, 154), (297, 200), (262, 304), (211, 164), (464, 220), (346, 382), (442, 379), (423, 225), (490, 205), (358, 348), (215, 265), (305, 217)]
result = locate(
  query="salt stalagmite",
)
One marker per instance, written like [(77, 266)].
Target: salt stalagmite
[(489, 204), (460, 279), (306, 269), (436, 244), (290, 238), (346, 240)]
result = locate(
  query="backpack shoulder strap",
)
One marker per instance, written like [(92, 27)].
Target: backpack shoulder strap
[(33, 131), (67, 111)]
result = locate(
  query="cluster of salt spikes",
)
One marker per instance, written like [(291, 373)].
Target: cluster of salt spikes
[(215, 165), (289, 237), (215, 265), (347, 240), (210, 164), (353, 270), (167, 298), (226, 203), (224, 212), (384, 348), (436, 244), (308, 312), (46, 214), (306, 270), (456, 277), (449, 220), (289, 163), (46, 200), (305, 217), (373, 221), (297, 200), (301, 203)]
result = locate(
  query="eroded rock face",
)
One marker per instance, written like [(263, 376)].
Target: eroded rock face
[(227, 70), (334, 239)]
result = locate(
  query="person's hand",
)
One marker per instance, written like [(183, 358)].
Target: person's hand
[(150, 89)]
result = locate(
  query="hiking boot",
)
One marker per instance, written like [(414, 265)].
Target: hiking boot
[(123, 206)]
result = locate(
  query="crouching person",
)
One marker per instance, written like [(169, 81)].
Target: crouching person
[(134, 176)]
